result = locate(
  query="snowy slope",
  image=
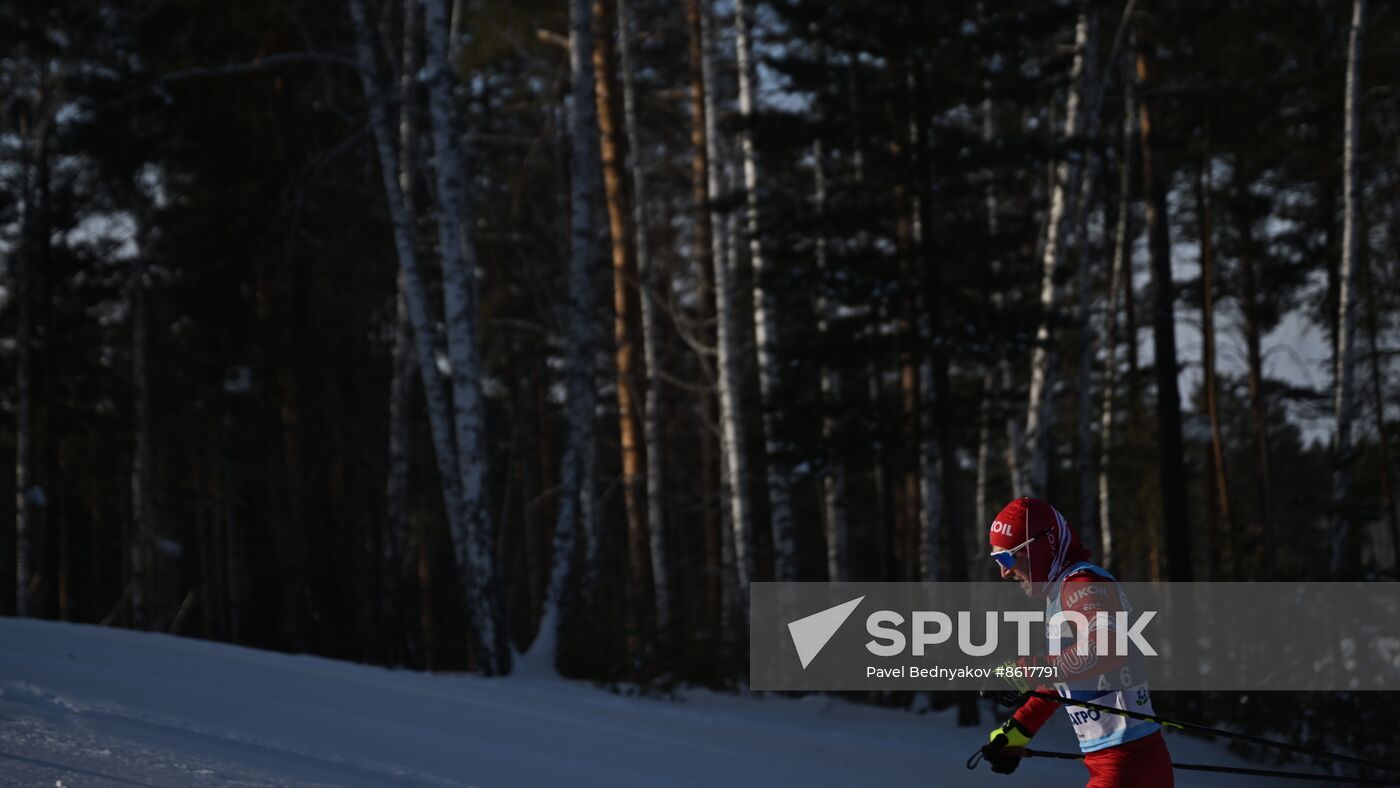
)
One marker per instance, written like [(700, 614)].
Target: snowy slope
[(89, 706)]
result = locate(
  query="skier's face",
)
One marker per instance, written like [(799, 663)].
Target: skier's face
[(1020, 571)]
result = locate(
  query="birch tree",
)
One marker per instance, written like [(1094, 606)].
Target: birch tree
[(765, 316), (439, 406), (731, 398), (650, 284), (472, 539), (702, 234), (1057, 227), (575, 493), (1344, 395)]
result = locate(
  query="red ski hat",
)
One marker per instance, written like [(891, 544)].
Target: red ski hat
[(1056, 546)]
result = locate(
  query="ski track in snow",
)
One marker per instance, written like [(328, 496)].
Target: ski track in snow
[(91, 706)]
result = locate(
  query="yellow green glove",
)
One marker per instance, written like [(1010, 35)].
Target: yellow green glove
[(1014, 732), (1009, 734)]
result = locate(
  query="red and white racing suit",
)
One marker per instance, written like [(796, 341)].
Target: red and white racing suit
[(1120, 752)]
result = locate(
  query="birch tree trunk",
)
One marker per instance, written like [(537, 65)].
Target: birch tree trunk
[(1122, 271), (415, 291), (731, 408), (575, 492), (1172, 470), (765, 318), (702, 236), (472, 538), (1038, 410), (1343, 454), (649, 283)]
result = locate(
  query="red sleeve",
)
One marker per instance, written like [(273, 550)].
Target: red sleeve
[(1035, 712)]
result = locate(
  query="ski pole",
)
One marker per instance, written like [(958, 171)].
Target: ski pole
[(1294, 748), (1195, 767)]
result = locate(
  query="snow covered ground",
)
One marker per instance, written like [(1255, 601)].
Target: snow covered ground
[(90, 706)]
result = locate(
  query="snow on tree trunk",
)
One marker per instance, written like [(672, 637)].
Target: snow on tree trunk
[(1343, 453), (727, 331), (834, 474), (575, 490), (1038, 408), (765, 318), (472, 538), (650, 285), (1121, 271), (414, 289)]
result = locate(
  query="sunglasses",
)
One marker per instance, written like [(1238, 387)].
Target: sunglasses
[(1006, 559)]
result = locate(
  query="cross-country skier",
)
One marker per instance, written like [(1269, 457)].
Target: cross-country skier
[(1034, 545)]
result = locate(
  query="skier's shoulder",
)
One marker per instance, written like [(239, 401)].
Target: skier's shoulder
[(1089, 589)]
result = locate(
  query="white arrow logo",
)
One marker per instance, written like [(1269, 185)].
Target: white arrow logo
[(811, 634)]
